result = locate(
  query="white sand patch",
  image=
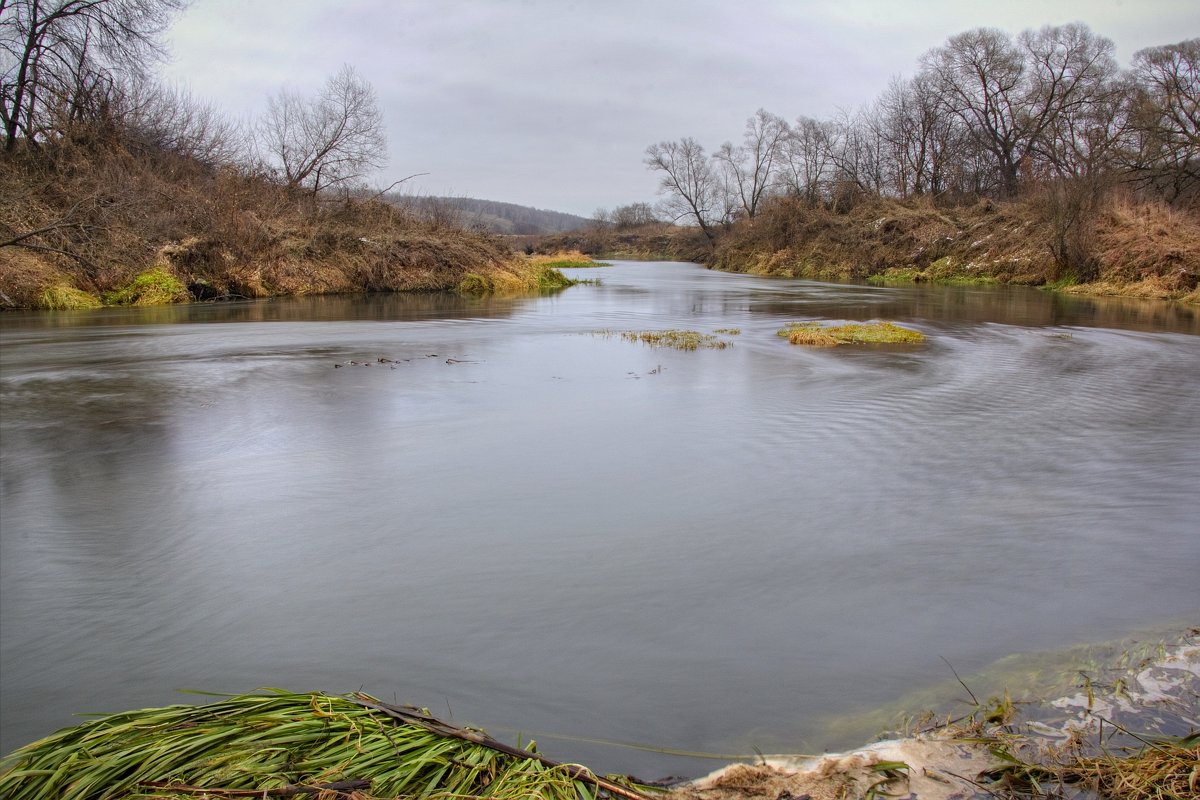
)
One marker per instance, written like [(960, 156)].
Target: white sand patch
[(936, 769)]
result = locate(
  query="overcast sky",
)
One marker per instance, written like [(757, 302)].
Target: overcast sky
[(551, 103)]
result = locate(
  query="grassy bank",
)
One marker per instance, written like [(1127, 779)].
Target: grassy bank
[(1120, 246), (87, 221), (656, 241), (1140, 249)]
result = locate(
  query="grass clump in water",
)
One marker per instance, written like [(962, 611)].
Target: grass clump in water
[(61, 297), (679, 340), (524, 279), (568, 259), (729, 331), (549, 279), (154, 287), (817, 335)]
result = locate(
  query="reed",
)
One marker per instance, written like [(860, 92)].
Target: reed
[(677, 339), (1165, 769), (282, 744)]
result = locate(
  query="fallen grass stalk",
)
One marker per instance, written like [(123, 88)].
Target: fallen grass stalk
[(1164, 770), (281, 744)]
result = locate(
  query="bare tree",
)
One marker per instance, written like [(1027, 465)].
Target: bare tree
[(807, 158), (166, 118), (978, 76), (918, 137), (633, 215), (856, 151), (61, 57), (1163, 146), (1074, 90), (1009, 94), (690, 185), (750, 167), (333, 139)]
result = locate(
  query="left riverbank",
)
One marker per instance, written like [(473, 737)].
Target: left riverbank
[(98, 217)]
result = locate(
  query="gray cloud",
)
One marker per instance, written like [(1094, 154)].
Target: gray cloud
[(552, 103)]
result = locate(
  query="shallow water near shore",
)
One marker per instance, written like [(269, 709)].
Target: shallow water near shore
[(523, 525)]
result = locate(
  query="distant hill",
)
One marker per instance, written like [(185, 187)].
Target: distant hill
[(492, 215)]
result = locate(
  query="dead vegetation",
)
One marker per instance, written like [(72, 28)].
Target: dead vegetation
[(1140, 248), (86, 217), (652, 241)]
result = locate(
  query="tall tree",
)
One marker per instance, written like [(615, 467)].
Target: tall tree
[(1163, 149), (332, 139), (1009, 94), (60, 57), (1075, 92), (689, 183), (750, 167), (919, 137), (806, 159)]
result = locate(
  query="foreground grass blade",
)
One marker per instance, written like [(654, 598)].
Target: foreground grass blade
[(280, 744)]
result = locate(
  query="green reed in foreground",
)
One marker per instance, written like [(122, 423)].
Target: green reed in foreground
[(280, 744)]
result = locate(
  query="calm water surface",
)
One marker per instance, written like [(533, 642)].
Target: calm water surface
[(524, 525)]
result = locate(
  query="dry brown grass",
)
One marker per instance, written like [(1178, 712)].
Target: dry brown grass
[(817, 335), (1143, 249), (652, 242), (565, 259), (1144, 241), (110, 215)]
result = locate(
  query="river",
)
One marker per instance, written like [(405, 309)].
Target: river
[(522, 524)]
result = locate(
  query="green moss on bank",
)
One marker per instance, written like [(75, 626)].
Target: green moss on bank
[(154, 287)]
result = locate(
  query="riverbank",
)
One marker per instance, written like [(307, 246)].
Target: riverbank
[(1123, 247), (87, 222)]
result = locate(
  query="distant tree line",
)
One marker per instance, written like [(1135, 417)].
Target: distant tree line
[(72, 68), (625, 217), (985, 115), (488, 215)]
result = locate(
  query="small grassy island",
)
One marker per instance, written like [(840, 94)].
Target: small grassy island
[(818, 335), (674, 339)]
